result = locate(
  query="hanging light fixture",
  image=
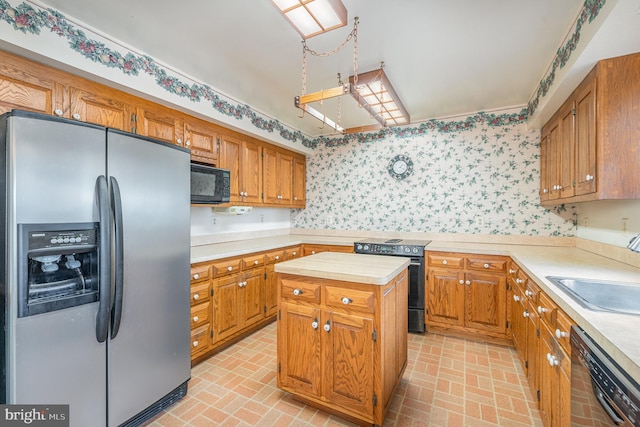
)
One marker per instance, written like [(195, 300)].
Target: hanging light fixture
[(374, 92), (313, 17)]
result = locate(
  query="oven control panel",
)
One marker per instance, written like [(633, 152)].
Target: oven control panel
[(388, 249)]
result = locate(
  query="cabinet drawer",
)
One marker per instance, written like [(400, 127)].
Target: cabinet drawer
[(200, 314), (200, 338), (291, 253), (532, 292), (296, 290), (349, 299), (222, 268), (521, 280), (563, 330), (200, 272), (273, 257), (253, 261), (547, 310), (435, 259), (199, 293), (497, 265)]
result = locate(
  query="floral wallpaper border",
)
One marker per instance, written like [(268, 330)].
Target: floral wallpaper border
[(30, 20)]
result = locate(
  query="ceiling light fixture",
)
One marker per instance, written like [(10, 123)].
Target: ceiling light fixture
[(313, 17)]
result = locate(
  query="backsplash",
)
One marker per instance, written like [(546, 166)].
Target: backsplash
[(482, 180)]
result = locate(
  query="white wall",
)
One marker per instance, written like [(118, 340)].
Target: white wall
[(613, 222), (205, 222)]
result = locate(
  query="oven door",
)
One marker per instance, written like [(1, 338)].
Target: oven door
[(416, 295)]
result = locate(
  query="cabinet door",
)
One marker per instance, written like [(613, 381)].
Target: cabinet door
[(586, 138), (226, 316), (299, 181), (562, 414), (519, 324), (202, 138), (159, 123), (348, 354), (485, 302), (251, 172), (567, 154), (299, 349), (548, 378), (544, 161), (102, 107), (252, 300), (445, 297), (271, 179), (285, 173), (23, 90), (230, 149), (553, 160), (270, 294), (533, 338)]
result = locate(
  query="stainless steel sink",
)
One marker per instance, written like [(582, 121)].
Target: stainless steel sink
[(603, 295)]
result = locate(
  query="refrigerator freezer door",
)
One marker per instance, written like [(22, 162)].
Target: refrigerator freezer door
[(150, 356), (54, 358)]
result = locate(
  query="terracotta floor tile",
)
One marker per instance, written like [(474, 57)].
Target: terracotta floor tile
[(449, 381)]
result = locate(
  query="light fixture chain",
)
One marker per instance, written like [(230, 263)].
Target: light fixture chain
[(351, 35), (355, 53), (304, 68)]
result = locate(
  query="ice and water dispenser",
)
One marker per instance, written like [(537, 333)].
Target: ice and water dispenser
[(57, 266)]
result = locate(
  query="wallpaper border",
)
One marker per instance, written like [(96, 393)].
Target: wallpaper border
[(32, 20)]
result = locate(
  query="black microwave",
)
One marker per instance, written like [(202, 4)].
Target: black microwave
[(209, 185)]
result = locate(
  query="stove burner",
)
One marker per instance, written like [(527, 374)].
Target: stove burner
[(394, 241)]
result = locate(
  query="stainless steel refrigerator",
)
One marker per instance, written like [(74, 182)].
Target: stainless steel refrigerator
[(95, 269)]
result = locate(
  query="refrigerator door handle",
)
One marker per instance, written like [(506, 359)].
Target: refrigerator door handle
[(116, 206), (102, 318)]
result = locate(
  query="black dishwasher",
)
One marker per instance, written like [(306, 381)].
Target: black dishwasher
[(602, 393)]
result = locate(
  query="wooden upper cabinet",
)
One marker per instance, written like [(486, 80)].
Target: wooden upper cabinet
[(544, 160), (585, 137), (27, 86), (278, 176), (159, 123), (299, 181), (203, 140), (243, 158), (101, 106), (603, 155), (566, 181), (31, 86)]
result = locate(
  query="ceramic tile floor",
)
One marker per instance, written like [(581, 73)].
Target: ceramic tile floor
[(448, 382)]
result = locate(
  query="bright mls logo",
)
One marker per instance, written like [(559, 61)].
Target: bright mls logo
[(34, 415)]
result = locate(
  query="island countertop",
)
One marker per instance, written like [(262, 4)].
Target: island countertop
[(359, 268)]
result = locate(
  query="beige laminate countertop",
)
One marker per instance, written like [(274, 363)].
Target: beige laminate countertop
[(359, 268), (618, 334)]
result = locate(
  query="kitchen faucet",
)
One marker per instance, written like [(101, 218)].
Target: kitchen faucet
[(634, 244)]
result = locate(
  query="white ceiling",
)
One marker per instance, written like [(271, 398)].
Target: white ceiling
[(444, 57)]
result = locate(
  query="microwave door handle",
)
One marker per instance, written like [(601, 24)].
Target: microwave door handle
[(611, 412), (116, 206), (104, 280)]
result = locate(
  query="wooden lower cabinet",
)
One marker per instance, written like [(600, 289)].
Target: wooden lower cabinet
[(232, 297), (467, 292), (540, 331), (347, 359), (554, 364), (200, 309), (238, 302)]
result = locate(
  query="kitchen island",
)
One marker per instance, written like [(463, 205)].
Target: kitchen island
[(342, 332)]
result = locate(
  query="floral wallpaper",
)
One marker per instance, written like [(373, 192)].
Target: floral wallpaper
[(482, 180)]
